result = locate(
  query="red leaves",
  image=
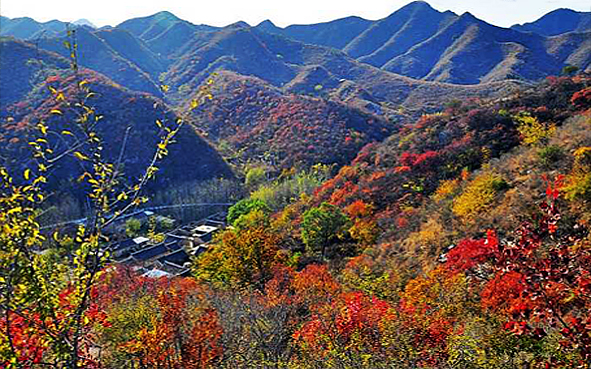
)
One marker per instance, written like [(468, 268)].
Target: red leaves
[(315, 284), (358, 209), (504, 293), (360, 315), (553, 187), (202, 348), (517, 328), (424, 160), (351, 322), (538, 280), (341, 195), (470, 253), (160, 322), (582, 98), (27, 338)]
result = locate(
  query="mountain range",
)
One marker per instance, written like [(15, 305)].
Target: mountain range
[(415, 41), (349, 81)]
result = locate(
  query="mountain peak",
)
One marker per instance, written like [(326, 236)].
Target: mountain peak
[(417, 5), (267, 23), (469, 16), (558, 22), (239, 24), (165, 15), (562, 11), (84, 22)]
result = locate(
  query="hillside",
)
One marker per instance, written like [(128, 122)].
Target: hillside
[(414, 179), (395, 34), (256, 122), (134, 50), (21, 69), (97, 54), (191, 158)]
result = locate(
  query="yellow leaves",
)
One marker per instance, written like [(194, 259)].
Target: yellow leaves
[(194, 104), (440, 290), (533, 131), (27, 174), (165, 88), (445, 189), (42, 128), (40, 179), (56, 112), (83, 83), (17, 209), (578, 182), (67, 133), (478, 195), (122, 196), (582, 152), (78, 155)]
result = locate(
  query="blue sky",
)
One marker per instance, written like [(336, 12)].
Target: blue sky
[(222, 12)]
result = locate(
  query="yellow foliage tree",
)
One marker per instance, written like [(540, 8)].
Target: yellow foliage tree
[(478, 195), (240, 258)]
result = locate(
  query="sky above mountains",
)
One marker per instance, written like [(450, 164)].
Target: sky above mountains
[(223, 12)]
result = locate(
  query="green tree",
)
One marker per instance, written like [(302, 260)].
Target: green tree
[(244, 207), (322, 226)]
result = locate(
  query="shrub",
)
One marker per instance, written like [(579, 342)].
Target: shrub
[(255, 177), (132, 227), (532, 131), (582, 99), (550, 155), (445, 189), (578, 184)]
